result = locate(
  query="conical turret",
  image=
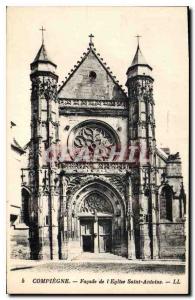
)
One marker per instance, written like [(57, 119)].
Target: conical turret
[(139, 66), (42, 62)]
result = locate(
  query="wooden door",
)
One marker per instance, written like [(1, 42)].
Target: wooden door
[(87, 235), (105, 235)]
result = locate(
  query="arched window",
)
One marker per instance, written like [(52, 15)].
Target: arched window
[(25, 206), (166, 199)]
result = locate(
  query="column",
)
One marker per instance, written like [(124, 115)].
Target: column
[(96, 246), (131, 238), (155, 222), (145, 240), (62, 219)]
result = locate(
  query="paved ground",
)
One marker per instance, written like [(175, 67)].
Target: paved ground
[(101, 263), (87, 256)]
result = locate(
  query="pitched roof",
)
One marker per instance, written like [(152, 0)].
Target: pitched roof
[(138, 58), (42, 56), (91, 49)]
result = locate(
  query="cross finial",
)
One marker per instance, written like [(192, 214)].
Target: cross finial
[(42, 29), (138, 37), (91, 36)]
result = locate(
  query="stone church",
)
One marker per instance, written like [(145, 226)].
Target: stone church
[(95, 180)]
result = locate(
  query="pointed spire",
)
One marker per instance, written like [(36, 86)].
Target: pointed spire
[(138, 58), (42, 55), (139, 66)]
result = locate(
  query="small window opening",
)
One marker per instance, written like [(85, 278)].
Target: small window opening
[(46, 220), (92, 75)]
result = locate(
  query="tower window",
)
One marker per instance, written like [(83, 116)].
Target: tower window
[(92, 75), (46, 220)]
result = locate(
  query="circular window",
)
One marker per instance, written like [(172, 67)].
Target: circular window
[(92, 75), (96, 138)]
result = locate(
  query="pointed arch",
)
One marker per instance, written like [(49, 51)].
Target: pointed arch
[(100, 185), (166, 202)]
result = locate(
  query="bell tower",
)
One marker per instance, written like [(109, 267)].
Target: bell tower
[(42, 167), (142, 138)]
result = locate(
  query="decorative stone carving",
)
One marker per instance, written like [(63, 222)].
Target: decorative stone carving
[(97, 140), (141, 87), (78, 181), (82, 103), (96, 203), (46, 87), (174, 156)]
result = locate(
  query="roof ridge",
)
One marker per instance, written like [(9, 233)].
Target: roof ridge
[(109, 72), (72, 71)]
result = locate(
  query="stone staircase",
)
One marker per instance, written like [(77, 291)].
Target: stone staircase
[(87, 256)]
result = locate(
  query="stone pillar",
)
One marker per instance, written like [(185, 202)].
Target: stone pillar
[(145, 242), (96, 248), (55, 242), (36, 229), (155, 222), (54, 213), (131, 238), (62, 219)]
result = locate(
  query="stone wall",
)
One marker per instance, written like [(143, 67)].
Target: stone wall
[(172, 241), (19, 243)]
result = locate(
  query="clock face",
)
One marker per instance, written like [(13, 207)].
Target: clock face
[(93, 140)]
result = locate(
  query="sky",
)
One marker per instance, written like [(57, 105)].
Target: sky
[(164, 44)]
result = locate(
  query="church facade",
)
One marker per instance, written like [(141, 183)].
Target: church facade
[(95, 180)]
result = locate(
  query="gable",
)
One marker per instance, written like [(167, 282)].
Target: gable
[(91, 80)]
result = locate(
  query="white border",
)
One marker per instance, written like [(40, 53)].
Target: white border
[(3, 4)]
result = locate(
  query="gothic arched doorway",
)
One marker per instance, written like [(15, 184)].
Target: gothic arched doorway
[(96, 213), (97, 219)]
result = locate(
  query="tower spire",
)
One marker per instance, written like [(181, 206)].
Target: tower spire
[(42, 55), (42, 29), (139, 66)]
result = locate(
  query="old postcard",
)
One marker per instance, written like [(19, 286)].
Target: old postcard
[(98, 150)]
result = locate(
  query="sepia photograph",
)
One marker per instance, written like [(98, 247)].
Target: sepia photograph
[(97, 150)]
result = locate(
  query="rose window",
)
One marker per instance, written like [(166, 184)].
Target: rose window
[(94, 141)]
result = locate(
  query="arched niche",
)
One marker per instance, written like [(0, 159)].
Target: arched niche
[(166, 203)]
